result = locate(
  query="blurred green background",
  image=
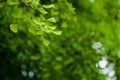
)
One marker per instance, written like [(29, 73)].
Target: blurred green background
[(88, 49)]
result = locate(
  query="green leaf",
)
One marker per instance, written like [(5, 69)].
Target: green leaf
[(38, 22), (11, 2), (49, 6), (59, 58), (46, 42), (52, 28), (14, 28), (34, 30), (17, 13), (34, 57), (68, 61), (27, 1), (57, 66), (52, 19), (47, 29), (57, 32), (64, 24), (34, 3), (42, 10)]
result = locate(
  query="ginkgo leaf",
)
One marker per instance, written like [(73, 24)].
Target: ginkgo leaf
[(52, 28), (17, 13), (48, 29), (27, 0), (49, 6), (11, 2), (14, 28), (52, 19), (34, 30), (57, 32), (46, 42), (42, 10), (38, 22)]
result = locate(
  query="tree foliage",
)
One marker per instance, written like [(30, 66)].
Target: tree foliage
[(90, 37)]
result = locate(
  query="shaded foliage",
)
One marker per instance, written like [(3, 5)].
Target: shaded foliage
[(90, 32)]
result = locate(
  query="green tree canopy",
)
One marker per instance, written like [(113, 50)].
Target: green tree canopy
[(59, 40)]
